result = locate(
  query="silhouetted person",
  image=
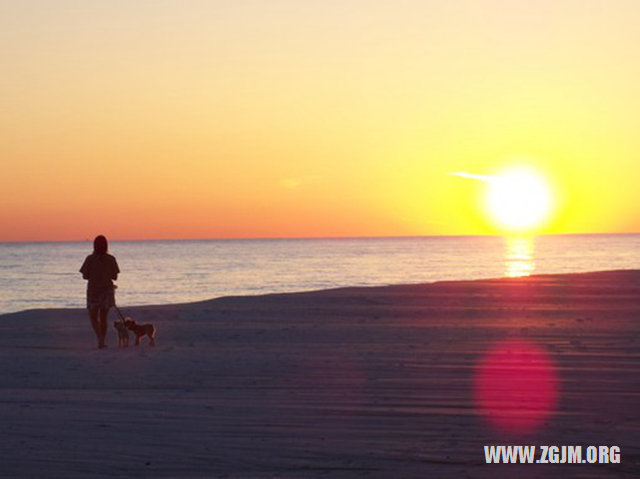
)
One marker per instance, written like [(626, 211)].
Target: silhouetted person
[(100, 268)]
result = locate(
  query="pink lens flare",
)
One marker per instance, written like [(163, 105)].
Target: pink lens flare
[(516, 387)]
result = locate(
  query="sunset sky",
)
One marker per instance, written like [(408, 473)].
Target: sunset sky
[(217, 119)]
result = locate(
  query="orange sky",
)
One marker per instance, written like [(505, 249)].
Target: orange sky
[(286, 119)]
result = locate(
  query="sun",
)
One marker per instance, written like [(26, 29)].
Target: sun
[(518, 199)]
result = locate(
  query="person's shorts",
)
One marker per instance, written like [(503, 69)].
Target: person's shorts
[(103, 299)]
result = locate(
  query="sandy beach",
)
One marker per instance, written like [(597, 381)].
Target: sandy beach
[(383, 382)]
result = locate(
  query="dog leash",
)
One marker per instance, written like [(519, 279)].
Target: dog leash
[(119, 313), (114, 287)]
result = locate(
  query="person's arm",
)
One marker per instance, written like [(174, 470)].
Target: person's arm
[(115, 270), (85, 268)]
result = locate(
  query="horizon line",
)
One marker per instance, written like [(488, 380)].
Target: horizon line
[(276, 238)]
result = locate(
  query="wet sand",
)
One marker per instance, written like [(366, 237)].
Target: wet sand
[(355, 382)]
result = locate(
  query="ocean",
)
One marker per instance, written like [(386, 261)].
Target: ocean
[(45, 274)]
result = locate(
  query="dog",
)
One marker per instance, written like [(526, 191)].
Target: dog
[(123, 334), (141, 330)]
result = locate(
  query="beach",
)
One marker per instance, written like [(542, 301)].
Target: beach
[(378, 382)]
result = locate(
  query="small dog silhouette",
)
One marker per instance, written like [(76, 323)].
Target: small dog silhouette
[(123, 334), (141, 330)]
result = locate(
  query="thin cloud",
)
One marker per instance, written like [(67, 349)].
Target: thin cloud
[(471, 176), (289, 183), (293, 183)]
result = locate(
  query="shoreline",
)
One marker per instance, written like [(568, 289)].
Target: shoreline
[(165, 274), (384, 381), (329, 290)]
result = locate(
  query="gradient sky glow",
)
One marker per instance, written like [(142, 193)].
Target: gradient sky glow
[(204, 119)]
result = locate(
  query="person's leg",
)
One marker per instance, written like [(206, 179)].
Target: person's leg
[(103, 326), (93, 316)]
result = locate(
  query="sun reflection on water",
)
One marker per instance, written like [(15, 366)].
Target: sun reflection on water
[(519, 256)]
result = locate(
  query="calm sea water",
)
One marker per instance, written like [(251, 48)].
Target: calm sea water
[(42, 275)]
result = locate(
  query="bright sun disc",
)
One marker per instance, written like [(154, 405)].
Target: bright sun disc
[(518, 199)]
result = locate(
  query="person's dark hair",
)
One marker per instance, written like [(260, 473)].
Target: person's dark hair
[(100, 245)]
